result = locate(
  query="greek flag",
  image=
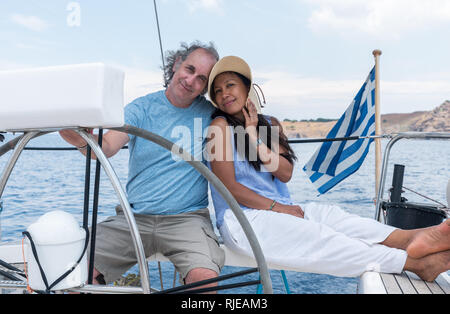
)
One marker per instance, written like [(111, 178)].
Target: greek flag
[(335, 161)]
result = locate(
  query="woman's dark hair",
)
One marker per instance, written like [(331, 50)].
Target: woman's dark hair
[(264, 128)]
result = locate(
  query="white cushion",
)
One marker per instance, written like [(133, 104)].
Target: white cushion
[(84, 95)]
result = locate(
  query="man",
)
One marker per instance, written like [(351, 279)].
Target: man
[(168, 197)]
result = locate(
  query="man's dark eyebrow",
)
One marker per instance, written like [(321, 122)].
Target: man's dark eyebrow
[(191, 67)]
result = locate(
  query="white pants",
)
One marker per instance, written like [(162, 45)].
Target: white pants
[(327, 241)]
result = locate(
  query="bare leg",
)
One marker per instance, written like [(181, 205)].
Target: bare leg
[(430, 266), (400, 239), (199, 274), (421, 242), (430, 240), (96, 277)]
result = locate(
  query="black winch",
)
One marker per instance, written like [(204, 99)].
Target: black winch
[(408, 215)]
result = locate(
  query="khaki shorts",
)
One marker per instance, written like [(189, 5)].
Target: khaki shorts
[(187, 240)]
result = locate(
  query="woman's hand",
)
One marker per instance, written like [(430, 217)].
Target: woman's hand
[(251, 118), (293, 210)]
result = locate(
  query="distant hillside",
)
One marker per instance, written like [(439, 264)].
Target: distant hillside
[(437, 120), (306, 129)]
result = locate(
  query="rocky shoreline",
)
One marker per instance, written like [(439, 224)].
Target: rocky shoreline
[(437, 120)]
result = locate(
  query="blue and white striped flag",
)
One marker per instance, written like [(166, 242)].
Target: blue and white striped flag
[(335, 161)]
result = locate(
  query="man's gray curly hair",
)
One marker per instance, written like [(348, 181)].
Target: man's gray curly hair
[(185, 50)]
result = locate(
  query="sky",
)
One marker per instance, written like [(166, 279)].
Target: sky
[(309, 56)]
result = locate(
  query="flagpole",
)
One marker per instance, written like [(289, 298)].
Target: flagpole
[(377, 54)]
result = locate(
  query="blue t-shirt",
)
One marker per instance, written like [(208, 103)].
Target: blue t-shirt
[(159, 182)]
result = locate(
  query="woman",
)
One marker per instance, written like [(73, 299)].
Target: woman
[(251, 156)]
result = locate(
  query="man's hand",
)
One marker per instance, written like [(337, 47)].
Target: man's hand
[(72, 137)]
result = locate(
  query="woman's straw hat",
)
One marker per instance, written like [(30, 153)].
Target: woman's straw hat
[(234, 64)]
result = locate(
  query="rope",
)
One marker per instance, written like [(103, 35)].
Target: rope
[(25, 267), (159, 36), (337, 139), (428, 198), (291, 141)]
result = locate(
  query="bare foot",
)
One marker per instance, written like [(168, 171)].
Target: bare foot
[(430, 240), (430, 266)]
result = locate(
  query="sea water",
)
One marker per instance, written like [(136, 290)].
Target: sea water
[(43, 181)]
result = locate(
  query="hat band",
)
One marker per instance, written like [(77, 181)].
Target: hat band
[(262, 93)]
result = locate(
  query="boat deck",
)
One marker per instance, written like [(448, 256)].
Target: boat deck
[(404, 283), (369, 282)]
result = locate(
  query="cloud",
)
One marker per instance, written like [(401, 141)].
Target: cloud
[(140, 82), (294, 96), (380, 18), (209, 5), (291, 95), (31, 22), (137, 82), (6, 65)]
